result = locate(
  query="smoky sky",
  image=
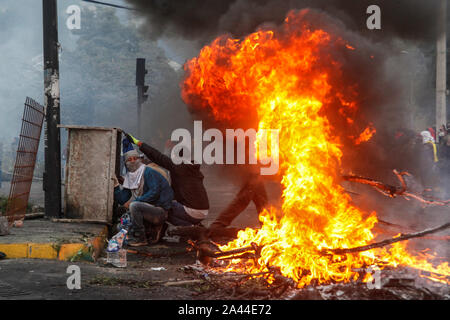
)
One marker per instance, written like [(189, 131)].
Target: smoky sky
[(202, 19), (384, 83)]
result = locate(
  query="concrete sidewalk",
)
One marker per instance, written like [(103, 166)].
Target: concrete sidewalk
[(44, 239)]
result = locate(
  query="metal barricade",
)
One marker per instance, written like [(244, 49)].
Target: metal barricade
[(30, 134)]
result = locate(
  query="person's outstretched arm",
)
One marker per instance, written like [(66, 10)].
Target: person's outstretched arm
[(153, 154)]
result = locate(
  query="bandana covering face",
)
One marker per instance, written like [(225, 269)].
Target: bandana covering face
[(132, 179), (133, 166), (427, 137)]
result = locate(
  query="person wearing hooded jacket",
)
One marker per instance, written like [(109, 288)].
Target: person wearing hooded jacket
[(148, 196), (191, 203)]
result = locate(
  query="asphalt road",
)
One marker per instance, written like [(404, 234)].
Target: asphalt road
[(25, 279)]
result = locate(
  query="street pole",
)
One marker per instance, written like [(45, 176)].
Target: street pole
[(141, 90), (52, 174), (1, 158), (139, 109), (441, 70)]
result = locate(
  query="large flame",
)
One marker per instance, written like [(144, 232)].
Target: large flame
[(282, 80)]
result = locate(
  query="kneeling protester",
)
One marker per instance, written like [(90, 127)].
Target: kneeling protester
[(147, 194)]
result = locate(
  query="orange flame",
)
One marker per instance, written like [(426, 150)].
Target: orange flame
[(281, 80), (366, 135), (349, 47)]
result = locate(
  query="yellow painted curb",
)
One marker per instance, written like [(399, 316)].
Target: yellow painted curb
[(54, 251), (68, 250), (15, 250), (41, 251)]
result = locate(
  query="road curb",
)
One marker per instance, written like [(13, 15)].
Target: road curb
[(91, 248)]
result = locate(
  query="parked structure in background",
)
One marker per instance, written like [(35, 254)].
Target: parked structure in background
[(92, 160), (30, 135)]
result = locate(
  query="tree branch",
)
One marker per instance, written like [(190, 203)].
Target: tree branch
[(387, 241), (393, 191)]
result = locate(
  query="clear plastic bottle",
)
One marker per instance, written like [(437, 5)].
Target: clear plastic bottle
[(117, 258)]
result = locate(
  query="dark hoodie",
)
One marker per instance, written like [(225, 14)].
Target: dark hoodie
[(187, 180)]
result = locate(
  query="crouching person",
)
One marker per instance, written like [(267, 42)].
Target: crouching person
[(191, 204), (147, 195)]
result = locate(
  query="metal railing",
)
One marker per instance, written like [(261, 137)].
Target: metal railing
[(30, 134)]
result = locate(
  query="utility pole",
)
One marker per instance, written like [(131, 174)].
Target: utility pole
[(52, 174), (441, 70), (141, 89), (1, 158)]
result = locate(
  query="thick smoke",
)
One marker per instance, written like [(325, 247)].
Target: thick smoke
[(396, 86), (387, 83), (203, 19)]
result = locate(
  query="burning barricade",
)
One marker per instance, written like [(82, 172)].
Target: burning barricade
[(292, 79)]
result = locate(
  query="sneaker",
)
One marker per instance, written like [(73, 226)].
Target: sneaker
[(138, 242), (218, 225), (160, 231)]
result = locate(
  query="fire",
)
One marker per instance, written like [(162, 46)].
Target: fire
[(366, 135), (349, 47), (285, 79)]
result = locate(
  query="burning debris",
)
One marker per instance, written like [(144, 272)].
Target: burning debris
[(393, 191), (293, 79), (392, 284)]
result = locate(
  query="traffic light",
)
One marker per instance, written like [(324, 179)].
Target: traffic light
[(140, 80), (140, 71), (144, 96)]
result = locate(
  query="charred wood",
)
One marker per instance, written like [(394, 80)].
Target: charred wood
[(394, 191), (387, 241)]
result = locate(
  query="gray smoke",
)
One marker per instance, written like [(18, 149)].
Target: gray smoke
[(408, 19), (396, 85)]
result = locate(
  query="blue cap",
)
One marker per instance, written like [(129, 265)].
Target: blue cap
[(126, 145)]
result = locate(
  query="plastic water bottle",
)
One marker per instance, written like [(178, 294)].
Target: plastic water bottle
[(117, 258)]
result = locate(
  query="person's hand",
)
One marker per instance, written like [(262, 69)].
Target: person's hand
[(116, 181), (127, 204), (131, 138)]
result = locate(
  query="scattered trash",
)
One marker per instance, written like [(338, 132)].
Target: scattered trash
[(115, 254), (173, 239), (125, 222), (197, 267), (18, 224), (183, 282), (4, 229), (117, 240), (206, 276), (158, 269), (117, 258)]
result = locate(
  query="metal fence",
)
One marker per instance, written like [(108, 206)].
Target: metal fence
[(33, 117)]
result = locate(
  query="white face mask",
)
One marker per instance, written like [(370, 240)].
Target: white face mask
[(133, 166)]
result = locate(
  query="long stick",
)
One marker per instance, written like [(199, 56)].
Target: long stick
[(387, 241), (393, 191), (232, 252)]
